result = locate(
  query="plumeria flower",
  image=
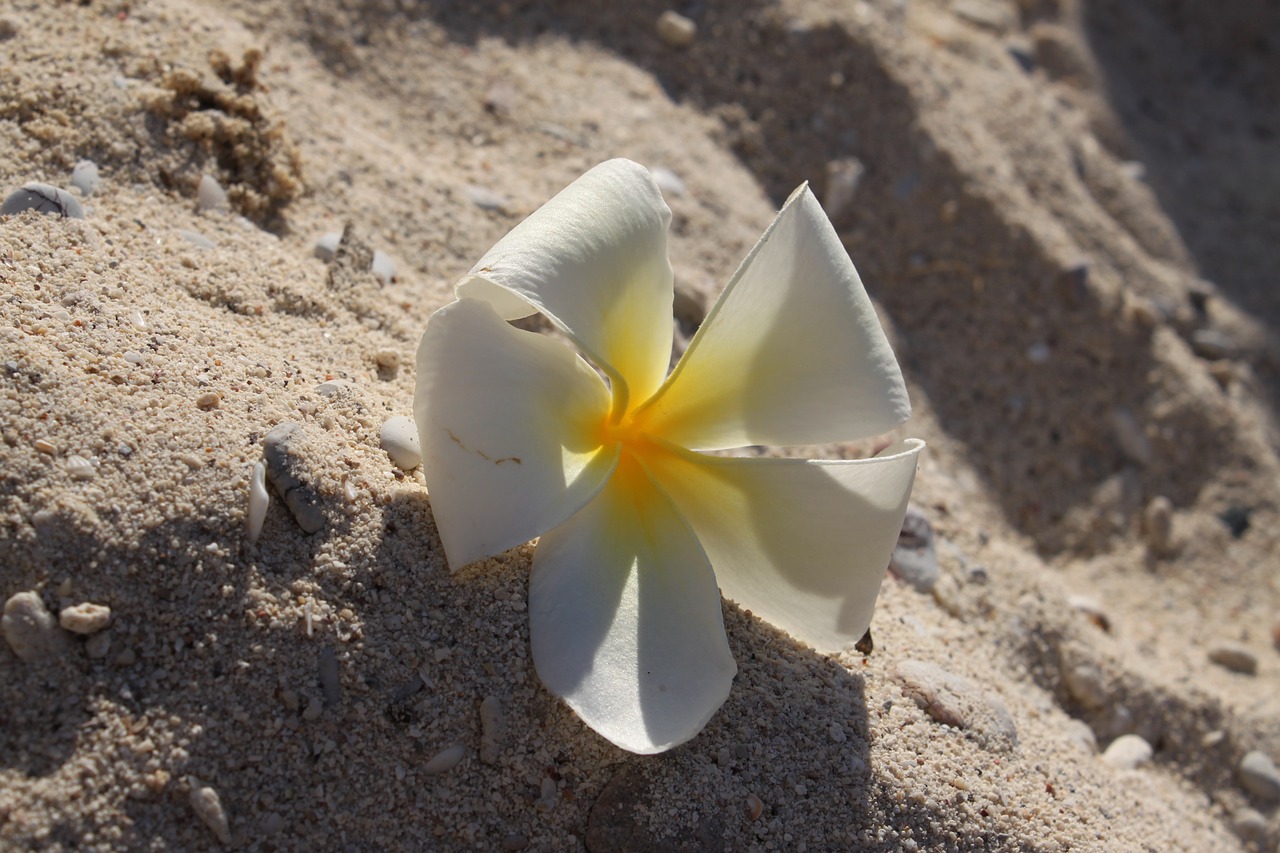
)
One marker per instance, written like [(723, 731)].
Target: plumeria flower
[(523, 438)]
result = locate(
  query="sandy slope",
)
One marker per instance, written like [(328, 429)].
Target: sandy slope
[(1072, 261)]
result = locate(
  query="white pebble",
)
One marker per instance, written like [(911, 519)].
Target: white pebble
[(42, 198), (29, 627), (86, 618), (259, 499), (399, 438), (445, 760), (675, 29), (210, 195), (79, 468), (383, 267), (668, 181), (485, 199), (1128, 752), (84, 177), (326, 245), (207, 805)]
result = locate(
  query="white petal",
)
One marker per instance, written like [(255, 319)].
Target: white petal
[(510, 426), (624, 618), (594, 260), (792, 353), (803, 544)]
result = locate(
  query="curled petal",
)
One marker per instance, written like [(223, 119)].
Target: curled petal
[(509, 423), (792, 353), (624, 618), (593, 259), (802, 543)]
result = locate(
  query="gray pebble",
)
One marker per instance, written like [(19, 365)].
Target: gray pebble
[(675, 29), (399, 438), (210, 195), (1211, 344), (445, 760), (1128, 752), (281, 449), (485, 199), (326, 245), (30, 628), (84, 177), (1234, 657), (98, 646), (955, 701), (330, 685), (336, 388), (42, 198), (915, 559), (1130, 436), (1259, 776), (514, 841), (1250, 825)]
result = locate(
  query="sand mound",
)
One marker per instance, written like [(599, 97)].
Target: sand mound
[(1064, 213)]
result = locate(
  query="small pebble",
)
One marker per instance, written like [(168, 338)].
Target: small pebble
[(844, 176), (1234, 657), (1157, 525), (79, 468), (492, 725), (29, 627), (208, 400), (387, 359), (210, 195), (326, 245), (445, 760), (207, 805), (485, 199), (84, 177), (1079, 733), (915, 559), (723, 757), (1128, 752), (86, 618), (1251, 825), (259, 500), (335, 387), (282, 449), (98, 645), (399, 438), (1085, 683), (1130, 436), (42, 198), (1211, 344), (383, 268), (1259, 776), (668, 181), (754, 807), (313, 710), (196, 239), (954, 701), (46, 447), (675, 29), (1091, 609)]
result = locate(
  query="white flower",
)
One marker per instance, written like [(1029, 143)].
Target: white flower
[(521, 438)]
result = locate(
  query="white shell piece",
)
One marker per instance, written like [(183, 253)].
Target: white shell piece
[(258, 500)]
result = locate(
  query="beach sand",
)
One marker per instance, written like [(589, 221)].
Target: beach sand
[(1064, 211)]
